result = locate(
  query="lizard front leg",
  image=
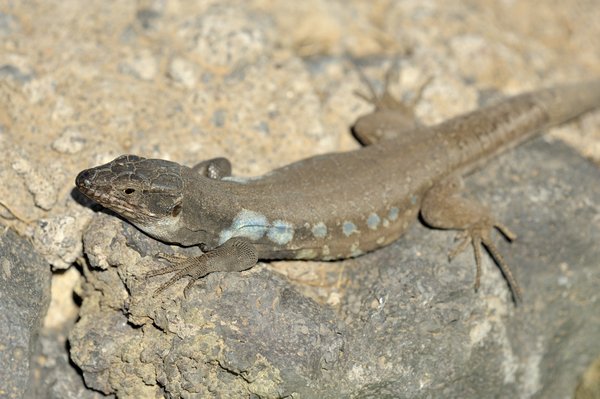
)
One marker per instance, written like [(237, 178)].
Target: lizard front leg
[(235, 255), (443, 208), (215, 168), (391, 118)]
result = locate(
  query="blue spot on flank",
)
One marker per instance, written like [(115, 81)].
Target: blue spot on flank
[(393, 213), (249, 224), (349, 228), (319, 230), (281, 232), (373, 221)]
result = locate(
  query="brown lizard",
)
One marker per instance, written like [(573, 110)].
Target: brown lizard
[(336, 205)]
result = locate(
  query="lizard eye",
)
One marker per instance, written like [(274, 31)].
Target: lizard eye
[(176, 210), (129, 191)]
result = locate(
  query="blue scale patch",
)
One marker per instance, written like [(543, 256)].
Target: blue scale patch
[(249, 224), (373, 221), (349, 228), (281, 232), (319, 230), (393, 213)]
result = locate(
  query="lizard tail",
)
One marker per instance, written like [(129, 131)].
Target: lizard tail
[(488, 131), (563, 103)]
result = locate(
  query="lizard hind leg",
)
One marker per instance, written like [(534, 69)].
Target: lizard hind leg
[(391, 118), (443, 208)]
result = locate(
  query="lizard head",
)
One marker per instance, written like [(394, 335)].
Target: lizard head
[(147, 192)]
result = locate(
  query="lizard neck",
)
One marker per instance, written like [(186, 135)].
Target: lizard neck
[(208, 206)]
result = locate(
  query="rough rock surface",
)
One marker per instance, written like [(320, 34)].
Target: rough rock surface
[(263, 83), (55, 376), (24, 298), (406, 323)]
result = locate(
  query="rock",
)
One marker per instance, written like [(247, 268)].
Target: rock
[(55, 376), (142, 65), (38, 184), (183, 71), (71, 141), (24, 299), (227, 36), (58, 238), (407, 322)]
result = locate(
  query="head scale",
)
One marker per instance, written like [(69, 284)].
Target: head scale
[(148, 192)]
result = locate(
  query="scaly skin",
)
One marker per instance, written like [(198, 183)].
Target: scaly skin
[(335, 205)]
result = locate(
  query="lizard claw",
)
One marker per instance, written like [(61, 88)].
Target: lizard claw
[(176, 277), (182, 267), (175, 261), (171, 258), (463, 239), (480, 235)]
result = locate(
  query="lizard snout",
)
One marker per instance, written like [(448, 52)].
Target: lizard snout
[(84, 179)]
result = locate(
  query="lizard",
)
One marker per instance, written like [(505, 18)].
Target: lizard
[(336, 205)]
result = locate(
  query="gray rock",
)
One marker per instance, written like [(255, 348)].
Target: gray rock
[(24, 299), (408, 322), (56, 378)]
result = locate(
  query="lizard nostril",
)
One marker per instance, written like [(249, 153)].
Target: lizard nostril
[(83, 179)]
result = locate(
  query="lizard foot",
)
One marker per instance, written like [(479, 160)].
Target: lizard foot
[(182, 267), (480, 235), (236, 254), (442, 207)]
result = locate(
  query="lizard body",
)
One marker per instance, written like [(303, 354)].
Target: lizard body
[(336, 205)]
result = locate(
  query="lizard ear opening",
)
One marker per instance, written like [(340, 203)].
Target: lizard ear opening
[(129, 191)]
